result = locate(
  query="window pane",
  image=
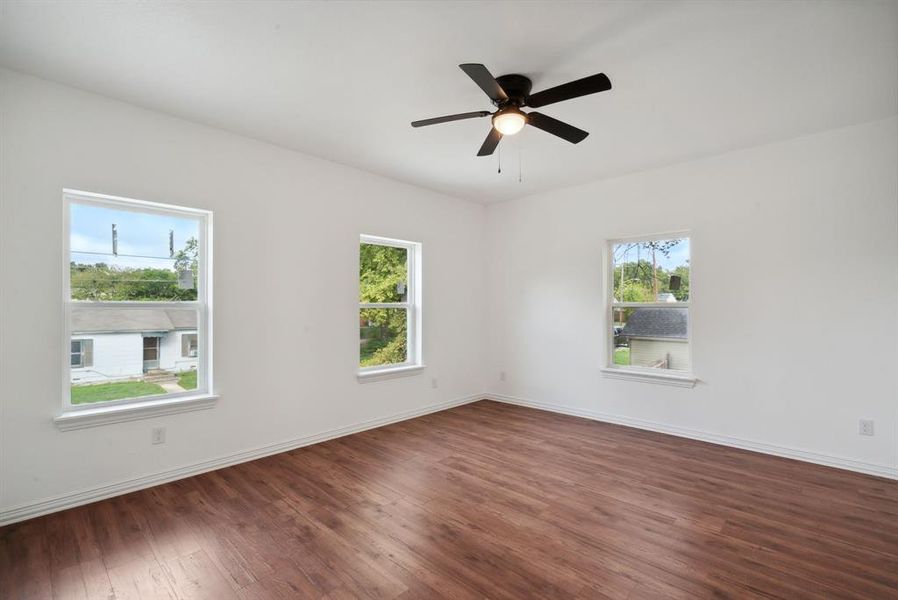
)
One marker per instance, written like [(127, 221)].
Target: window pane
[(651, 271), (133, 352), (382, 339), (135, 256), (188, 344), (651, 337), (383, 273)]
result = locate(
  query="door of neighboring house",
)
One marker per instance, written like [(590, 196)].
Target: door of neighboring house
[(150, 353)]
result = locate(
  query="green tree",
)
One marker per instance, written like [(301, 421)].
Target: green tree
[(382, 278), (683, 293), (643, 280), (188, 258), (102, 282), (634, 291)]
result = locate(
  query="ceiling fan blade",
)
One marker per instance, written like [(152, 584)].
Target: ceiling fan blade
[(447, 118), (574, 89), (556, 127), (485, 80), (490, 143)]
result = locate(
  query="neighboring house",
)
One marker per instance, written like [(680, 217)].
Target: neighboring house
[(123, 344), (658, 337)]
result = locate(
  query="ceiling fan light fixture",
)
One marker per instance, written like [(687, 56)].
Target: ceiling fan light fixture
[(512, 92), (509, 121)]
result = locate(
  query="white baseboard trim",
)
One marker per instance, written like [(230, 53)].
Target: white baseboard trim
[(43, 507), (887, 471)]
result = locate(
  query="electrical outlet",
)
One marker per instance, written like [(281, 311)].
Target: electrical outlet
[(501, 375), (433, 382), (158, 435), (865, 427)]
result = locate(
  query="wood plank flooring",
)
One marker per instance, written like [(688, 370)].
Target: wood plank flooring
[(483, 501)]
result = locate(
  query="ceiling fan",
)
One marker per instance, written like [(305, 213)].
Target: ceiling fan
[(511, 92)]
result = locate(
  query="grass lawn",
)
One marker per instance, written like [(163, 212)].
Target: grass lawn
[(187, 380), (103, 392), (622, 356)]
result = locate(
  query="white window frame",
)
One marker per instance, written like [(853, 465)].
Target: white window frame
[(413, 363), (636, 373), (77, 416)]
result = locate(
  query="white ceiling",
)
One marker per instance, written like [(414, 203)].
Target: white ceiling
[(343, 80)]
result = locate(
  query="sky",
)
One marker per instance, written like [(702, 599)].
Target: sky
[(139, 233)]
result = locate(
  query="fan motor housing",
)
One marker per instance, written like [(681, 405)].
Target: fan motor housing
[(517, 87)]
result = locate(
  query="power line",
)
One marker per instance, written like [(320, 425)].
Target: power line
[(127, 255), (117, 281)]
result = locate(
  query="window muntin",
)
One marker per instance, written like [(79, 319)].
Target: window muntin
[(137, 287), (650, 304), (389, 309)]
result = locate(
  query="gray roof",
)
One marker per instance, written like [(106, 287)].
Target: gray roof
[(657, 323), (130, 320)]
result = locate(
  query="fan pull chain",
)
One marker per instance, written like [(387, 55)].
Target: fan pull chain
[(499, 160), (520, 164)]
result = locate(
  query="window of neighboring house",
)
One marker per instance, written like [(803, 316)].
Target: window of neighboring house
[(389, 304), (650, 305), (188, 345), (82, 353), (136, 277)]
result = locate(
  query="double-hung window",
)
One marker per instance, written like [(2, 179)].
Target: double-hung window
[(137, 302), (389, 305), (649, 308)]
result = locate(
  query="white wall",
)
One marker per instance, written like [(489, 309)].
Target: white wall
[(794, 295), (286, 286)]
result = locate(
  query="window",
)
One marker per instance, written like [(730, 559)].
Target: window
[(137, 301), (82, 353), (389, 305), (650, 306), (189, 345)]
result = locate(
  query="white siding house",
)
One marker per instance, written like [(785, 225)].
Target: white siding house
[(128, 343), (647, 352), (658, 337)]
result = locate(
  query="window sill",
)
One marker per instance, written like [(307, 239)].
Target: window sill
[(105, 415), (389, 373), (684, 380)]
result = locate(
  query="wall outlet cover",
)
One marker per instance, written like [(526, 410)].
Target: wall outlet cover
[(158, 435), (865, 426)]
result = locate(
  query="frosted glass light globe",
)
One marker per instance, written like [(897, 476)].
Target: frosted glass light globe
[(509, 122)]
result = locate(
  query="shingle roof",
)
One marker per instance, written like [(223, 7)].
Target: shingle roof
[(657, 322), (129, 320)]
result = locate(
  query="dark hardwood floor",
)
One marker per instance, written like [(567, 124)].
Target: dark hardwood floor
[(482, 501)]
